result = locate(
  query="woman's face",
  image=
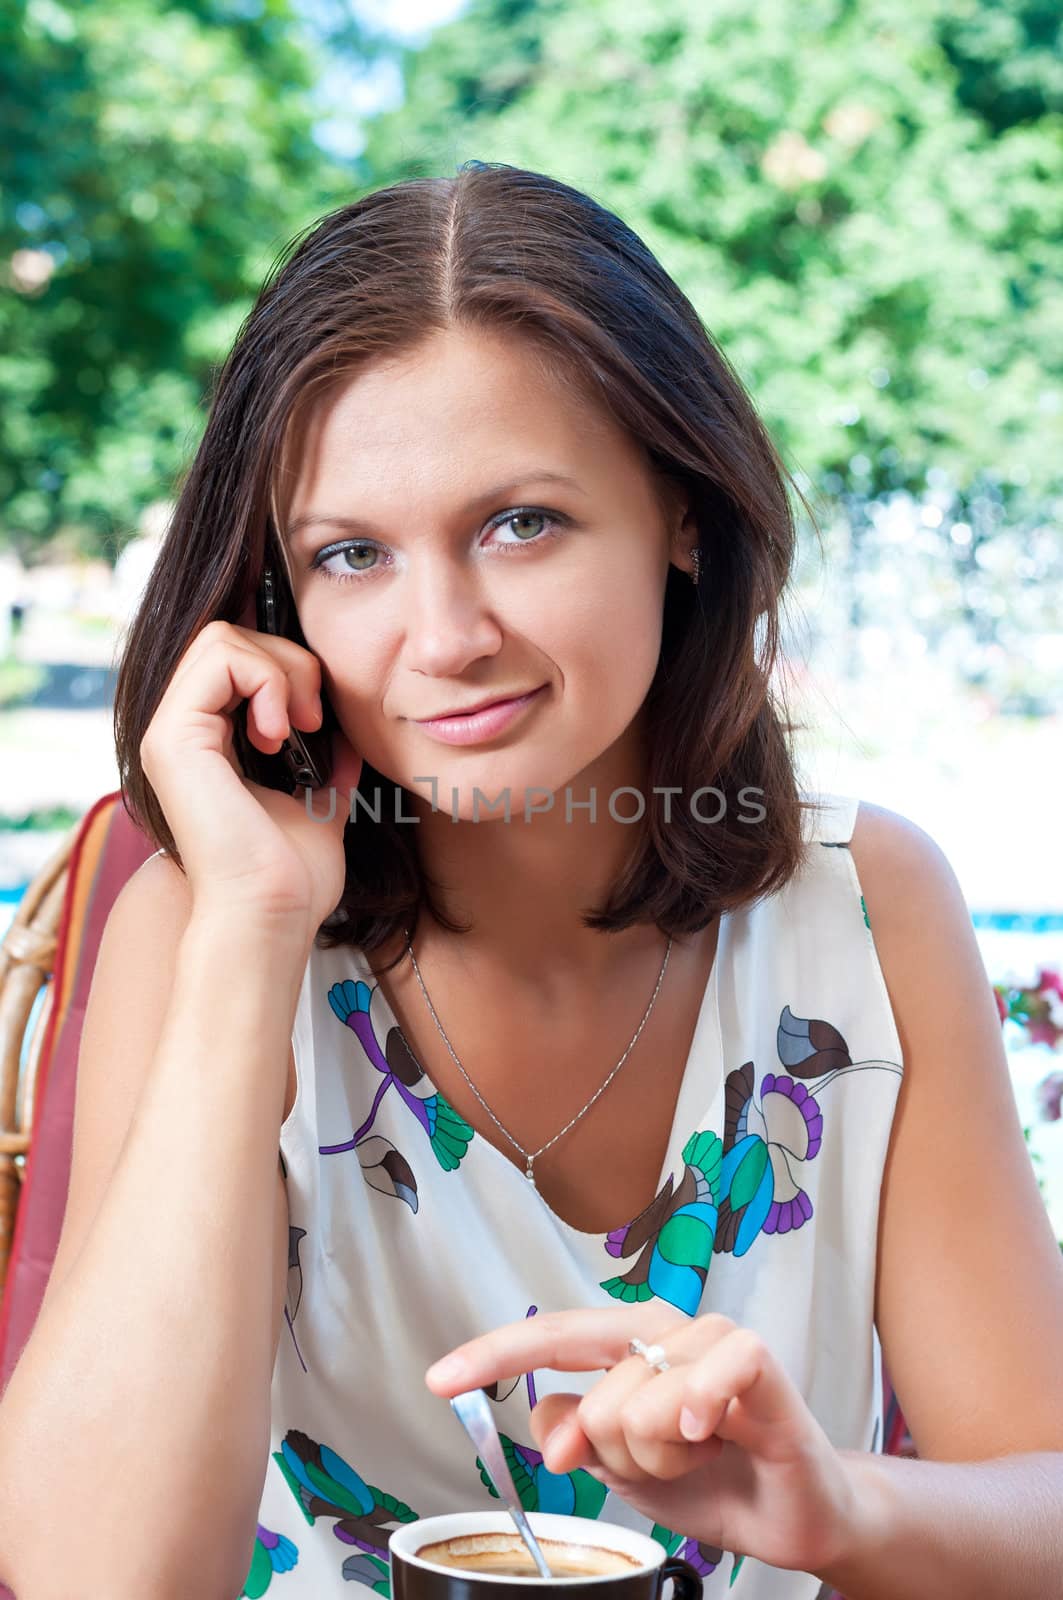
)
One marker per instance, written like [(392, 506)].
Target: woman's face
[(509, 539)]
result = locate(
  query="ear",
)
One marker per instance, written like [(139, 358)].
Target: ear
[(683, 528)]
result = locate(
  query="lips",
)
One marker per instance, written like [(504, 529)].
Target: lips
[(481, 705), (484, 724)]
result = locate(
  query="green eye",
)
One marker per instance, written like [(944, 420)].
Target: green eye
[(526, 516), (354, 549), (360, 558)]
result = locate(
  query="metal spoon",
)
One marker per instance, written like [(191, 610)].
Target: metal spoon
[(473, 1411)]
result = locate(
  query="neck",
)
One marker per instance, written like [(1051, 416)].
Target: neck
[(523, 887)]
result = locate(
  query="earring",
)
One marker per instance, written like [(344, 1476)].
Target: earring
[(695, 576)]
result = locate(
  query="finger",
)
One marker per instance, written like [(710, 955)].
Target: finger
[(740, 1392), (345, 769), (631, 1415), (628, 1438), (600, 1415), (197, 704), (556, 1432), (210, 634), (692, 1339), (607, 1421), (585, 1340), (651, 1421), (288, 692), (664, 1461), (195, 723), (272, 711), (633, 1433), (299, 663), (303, 672), (653, 1441)]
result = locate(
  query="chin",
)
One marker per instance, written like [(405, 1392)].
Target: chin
[(494, 774)]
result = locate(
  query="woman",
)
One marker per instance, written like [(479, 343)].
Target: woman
[(600, 1059)]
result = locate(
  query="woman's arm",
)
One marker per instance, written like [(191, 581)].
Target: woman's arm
[(970, 1278), (971, 1530), (969, 1301), (137, 1420)]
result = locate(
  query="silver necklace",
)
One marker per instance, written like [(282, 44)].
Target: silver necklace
[(531, 1156)]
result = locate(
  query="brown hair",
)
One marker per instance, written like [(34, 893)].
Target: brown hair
[(500, 247)]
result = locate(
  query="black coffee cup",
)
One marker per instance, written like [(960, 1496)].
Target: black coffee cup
[(600, 1560)]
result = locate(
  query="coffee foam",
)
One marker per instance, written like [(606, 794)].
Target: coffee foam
[(481, 1552)]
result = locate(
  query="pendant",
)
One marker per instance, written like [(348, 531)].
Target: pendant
[(529, 1174)]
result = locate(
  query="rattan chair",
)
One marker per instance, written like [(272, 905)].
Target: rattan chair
[(51, 946), (27, 966)]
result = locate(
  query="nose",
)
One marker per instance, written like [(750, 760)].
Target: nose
[(448, 619)]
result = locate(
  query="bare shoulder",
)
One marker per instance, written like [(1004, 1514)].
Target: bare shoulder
[(921, 927), (918, 915), (884, 844)]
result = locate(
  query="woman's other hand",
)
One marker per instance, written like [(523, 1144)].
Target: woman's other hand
[(720, 1446)]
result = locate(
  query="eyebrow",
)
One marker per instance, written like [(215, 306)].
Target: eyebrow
[(312, 519)]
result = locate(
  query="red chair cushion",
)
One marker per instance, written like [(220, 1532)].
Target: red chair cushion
[(107, 851)]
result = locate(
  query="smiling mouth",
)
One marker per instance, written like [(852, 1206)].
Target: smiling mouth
[(485, 705)]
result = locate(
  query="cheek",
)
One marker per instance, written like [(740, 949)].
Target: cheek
[(598, 640), (355, 695), (351, 674), (613, 644)]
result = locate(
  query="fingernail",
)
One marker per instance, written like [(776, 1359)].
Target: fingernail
[(447, 1371), (689, 1424)]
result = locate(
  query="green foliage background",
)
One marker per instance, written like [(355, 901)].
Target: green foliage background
[(161, 154), (864, 199)]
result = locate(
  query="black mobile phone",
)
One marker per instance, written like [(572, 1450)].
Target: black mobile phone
[(303, 769)]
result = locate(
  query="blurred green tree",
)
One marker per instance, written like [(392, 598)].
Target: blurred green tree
[(154, 158), (1009, 58), (862, 197), (863, 200)]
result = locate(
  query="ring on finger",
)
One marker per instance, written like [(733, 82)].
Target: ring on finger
[(652, 1354)]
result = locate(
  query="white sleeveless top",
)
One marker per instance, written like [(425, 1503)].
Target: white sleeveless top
[(410, 1234)]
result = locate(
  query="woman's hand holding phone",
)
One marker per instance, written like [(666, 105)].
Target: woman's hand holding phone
[(248, 850)]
